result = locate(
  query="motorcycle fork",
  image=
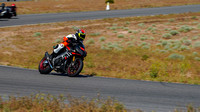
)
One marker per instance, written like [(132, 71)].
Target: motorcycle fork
[(73, 60)]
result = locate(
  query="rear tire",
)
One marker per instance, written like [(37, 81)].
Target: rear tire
[(44, 69), (73, 71)]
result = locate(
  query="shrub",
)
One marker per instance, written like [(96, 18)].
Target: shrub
[(185, 28), (195, 37), (90, 41), (110, 46), (132, 36), (143, 38), (154, 70), (184, 38), (152, 38), (120, 36), (197, 44), (135, 31), (187, 42), (114, 46), (176, 56), (127, 22), (198, 26), (167, 29), (194, 53), (126, 28), (142, 44), (174, 32), (163, 51), (164, 43), (37, 34), (146, 46), (115, 31), (113, 28), (102, 39), (167, 47), (141, 24), (159, 44), (176, 47), (145, 57), (103, 47), (183, 47), (130, 44), (167, 36), (151, 29), (194, 17), (197, 58), (171, 20), (130, 31), (177, 43), (154, 25)]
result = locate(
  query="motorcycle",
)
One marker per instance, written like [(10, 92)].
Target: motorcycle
[(7, 11), (70, 61)]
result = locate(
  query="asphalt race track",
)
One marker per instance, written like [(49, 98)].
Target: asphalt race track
[(145, 95), (134, 94), (58, 17)]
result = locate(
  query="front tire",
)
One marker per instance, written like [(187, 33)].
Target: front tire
[(73, 71), (44, 68)]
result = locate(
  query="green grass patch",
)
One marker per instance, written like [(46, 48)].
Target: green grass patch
[(174, 32), (176, 56), (185, 28), (101, 39), (167, 36), (90, 41), (120, 36), (37, 34)]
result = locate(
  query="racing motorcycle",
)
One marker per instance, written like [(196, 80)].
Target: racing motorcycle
[(69, 61), (7, 11)]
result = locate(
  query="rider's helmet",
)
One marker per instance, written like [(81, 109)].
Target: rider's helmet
[(80, 34), (3, 6)]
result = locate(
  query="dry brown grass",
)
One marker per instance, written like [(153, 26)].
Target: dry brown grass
[(50, 103), (132, 48), (56, 6)]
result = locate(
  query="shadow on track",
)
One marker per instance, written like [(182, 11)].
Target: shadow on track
[(3, 19), (7, 19), (79, 76), (14, 18)]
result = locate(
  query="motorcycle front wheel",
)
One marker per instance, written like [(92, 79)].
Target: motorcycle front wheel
[(44, 67), (75, 68)]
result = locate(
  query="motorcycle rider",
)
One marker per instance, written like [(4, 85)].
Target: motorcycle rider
[(78, 37), (2, 7)]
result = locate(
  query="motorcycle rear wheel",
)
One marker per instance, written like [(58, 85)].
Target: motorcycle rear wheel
[(74, 70), (44, 68)]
